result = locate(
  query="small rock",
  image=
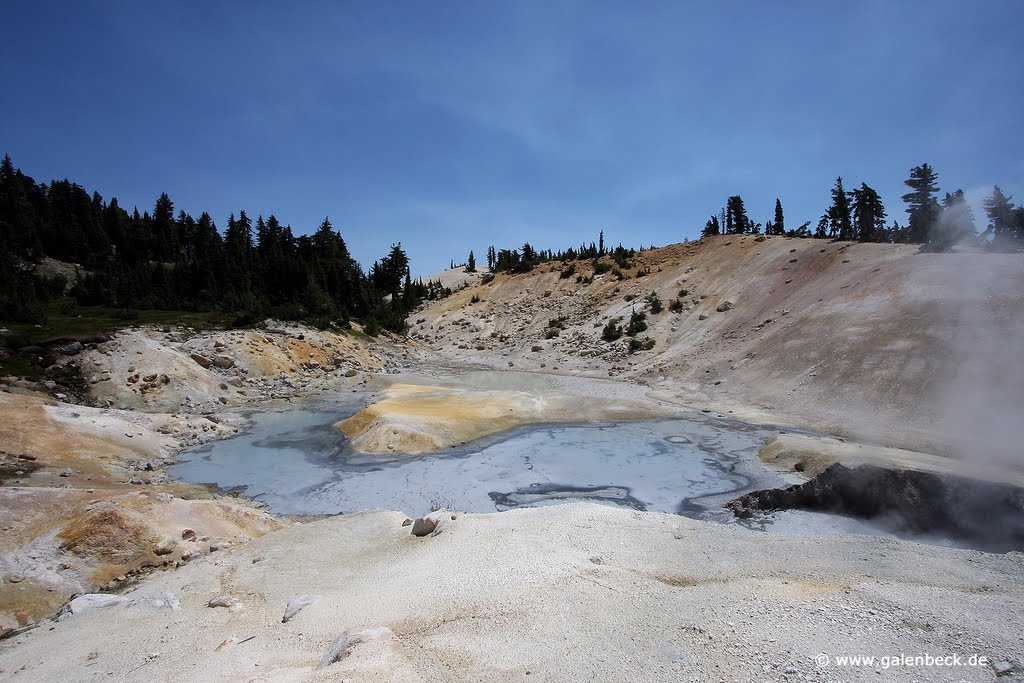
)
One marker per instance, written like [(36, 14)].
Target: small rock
[(535, 349), (72, 349), (188, 534), (224, 362), (350, 373), (165, 547), (406, 522), (67, 472), (724, 306), (296, 605), (222, 601), (702, 316), (353, 636), (8, 624), (202, 360), (1002, 668), (423, 526), (15, 578)]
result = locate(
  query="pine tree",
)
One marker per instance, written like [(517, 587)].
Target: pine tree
[(711, 227), (955, 224), (779, 226), (736, 220), (600, 244), (1000, 212), (922, 206), (868, 215), (839, 221), (491, 258), (471, 263)]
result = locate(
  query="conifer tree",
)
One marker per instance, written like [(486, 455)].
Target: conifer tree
[(922, 206), (779, 226), (471, 263), (868, 215)]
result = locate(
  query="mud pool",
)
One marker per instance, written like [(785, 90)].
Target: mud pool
[(295, 461)]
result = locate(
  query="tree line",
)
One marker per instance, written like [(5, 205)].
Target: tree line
[(167, 261), (859, 215)]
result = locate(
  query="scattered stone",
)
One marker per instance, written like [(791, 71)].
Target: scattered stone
[(15, 578), (406, 522), (223, 361), (67, 472), (296, 605), (8, 624), (339, 649), (165, 546), (350, 373), (724, 306), (423, 526), (702, 316), (91, 601), (535, 349), (222, 601), (72, 349), (202, 360), (188, 534)]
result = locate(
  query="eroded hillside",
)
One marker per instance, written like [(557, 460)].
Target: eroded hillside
[(876, 341)]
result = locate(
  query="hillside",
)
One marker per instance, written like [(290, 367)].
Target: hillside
[(874, 341)]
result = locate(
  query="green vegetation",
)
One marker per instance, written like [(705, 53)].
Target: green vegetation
[(637, 323), (173, 262), (643, 344), (612, 331), (654, 303), (676, 306), (567, 272)]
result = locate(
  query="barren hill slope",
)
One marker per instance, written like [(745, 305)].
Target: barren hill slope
[(876, 341)]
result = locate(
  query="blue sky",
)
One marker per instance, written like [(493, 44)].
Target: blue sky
[(450, 126)]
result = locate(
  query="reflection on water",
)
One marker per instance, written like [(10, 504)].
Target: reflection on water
[(297, 463)]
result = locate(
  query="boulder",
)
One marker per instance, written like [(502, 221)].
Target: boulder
[(423, 526), (202, 360), (72, 349), (91, 601), (223, 361), (724, 306)]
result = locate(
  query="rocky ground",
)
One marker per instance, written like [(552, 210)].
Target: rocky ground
[(569, 593), (874, 342), (86, 503)]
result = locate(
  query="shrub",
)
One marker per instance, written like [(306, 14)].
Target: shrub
[(619, 275), (551, 332), (676, 306), (488, 277), (629, 297), (645, 344), (655, 303), (558, 323), (684, 293), (600, 267), (636, 324), (642, 272), (567, 272), (474, 299), (612, 330)]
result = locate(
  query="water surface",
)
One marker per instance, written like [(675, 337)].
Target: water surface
[(295, 461)]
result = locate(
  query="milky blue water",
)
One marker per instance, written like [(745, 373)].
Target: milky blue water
[(295, 461)]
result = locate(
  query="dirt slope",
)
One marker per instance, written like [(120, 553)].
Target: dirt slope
[(865, 340)]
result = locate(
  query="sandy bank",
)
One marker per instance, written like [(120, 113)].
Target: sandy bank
[(414, 419)]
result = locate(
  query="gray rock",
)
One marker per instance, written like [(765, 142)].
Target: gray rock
[(224, 362), (296, 605), (350, 373), (72, 349), (67, 472), (357, 634), (724, 306), (161, 600), (91, 601), (423, 526)]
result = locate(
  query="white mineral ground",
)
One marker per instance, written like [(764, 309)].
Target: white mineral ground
[(897, 352)]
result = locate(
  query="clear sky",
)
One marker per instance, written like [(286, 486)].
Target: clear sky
[(452, 125)]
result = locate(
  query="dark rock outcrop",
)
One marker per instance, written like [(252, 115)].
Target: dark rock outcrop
[(977, 513)]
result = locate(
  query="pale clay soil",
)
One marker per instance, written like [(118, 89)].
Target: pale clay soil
[(859, 341)]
